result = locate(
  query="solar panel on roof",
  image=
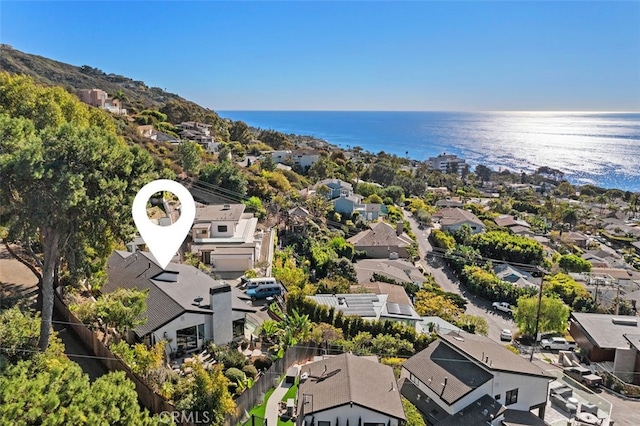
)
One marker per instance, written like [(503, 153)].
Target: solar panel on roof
[(405, 310), (393, 308), (363, 312), (362, 296)]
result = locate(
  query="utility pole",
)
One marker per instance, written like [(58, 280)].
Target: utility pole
[(535, 334), (617, 296)]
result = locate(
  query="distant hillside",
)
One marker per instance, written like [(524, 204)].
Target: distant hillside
[(141, 97), (51, 72)]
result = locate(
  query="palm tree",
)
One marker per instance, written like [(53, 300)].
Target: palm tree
[(602, 200), (570, 216), (121, 97), (633, 203)]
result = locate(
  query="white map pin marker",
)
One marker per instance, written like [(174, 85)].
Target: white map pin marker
[(163, 241)]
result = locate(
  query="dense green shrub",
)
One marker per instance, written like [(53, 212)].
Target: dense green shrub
[(262, 363), (508, 247), (441, 239), (235, 375), (250, 371)]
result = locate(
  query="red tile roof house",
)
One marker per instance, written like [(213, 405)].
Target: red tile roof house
[(348, 390), (467, 379)]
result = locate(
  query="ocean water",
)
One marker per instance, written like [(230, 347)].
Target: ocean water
[(598, 148)]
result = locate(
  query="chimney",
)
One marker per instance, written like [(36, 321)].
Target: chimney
[(220, 303), (399, 228)]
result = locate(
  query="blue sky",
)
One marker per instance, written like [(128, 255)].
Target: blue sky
[(448, 56)]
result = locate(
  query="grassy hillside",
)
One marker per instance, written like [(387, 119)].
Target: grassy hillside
[(72, 77)]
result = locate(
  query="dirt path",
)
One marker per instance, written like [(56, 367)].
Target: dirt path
[(16, 279)]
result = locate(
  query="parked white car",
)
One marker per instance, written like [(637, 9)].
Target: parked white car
[(506, 334), (557, 344), (583, 375), (502, 306)]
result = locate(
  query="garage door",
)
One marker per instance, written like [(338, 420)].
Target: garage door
[(223, 264)]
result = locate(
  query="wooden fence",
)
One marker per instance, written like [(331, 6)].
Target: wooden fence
[(156, 403), (148, 398), (269, 379)]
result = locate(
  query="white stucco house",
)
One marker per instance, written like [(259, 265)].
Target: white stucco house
[(184, 305), (349, 390), (353, 203), (223, 236), (462, 372), (304, 158)]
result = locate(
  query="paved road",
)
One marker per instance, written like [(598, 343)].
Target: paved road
[(445, 278), (624, 412)]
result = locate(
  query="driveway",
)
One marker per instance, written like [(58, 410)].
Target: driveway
[(435, 266)]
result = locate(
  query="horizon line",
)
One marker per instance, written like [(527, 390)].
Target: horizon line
[(445, 111)]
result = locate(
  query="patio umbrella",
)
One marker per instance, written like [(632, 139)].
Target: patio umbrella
[(337, 421), (347, 421), (360, 421)]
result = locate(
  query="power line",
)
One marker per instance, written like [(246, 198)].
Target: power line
[(218, 191), (441, 253), (14, 350)]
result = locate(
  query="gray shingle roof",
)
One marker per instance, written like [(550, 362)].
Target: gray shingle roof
[(399, 270), (427, 406), (522, 418), (500, 358), (334, 184), (439, 362), (380, 234), (218, 212), (479, 412), (458, 357), (130, 270), (453, 216), (167, 297), (364, 382)]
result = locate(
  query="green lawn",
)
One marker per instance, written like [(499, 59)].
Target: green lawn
[(291, 393), (259, 410)]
